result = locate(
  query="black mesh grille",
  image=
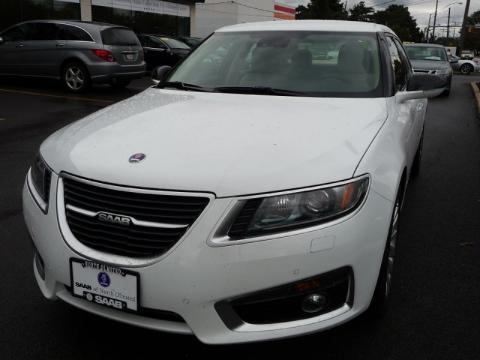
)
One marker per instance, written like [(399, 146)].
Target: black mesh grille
[(131, 240)]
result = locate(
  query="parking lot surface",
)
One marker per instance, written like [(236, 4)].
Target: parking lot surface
[(434, 310)]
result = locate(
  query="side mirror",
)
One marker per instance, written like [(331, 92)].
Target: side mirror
[(422, 86), (453, 61), (159, 74)]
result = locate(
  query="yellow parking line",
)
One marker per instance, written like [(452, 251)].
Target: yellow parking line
[(77, 98)]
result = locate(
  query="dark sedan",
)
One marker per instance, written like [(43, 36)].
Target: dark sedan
[(162, 50), (431, 59)]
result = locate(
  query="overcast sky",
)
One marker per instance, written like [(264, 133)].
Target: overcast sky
[(420, 9)]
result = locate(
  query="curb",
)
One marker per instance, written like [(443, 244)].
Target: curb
[(476, 93)]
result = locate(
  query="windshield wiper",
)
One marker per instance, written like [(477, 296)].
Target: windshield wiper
[(258, 90), (182, 86)]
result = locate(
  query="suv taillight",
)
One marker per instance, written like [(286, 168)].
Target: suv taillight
[(104, 55)]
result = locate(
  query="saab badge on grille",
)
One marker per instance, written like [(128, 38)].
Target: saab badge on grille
[(114, 219), (136, 158)]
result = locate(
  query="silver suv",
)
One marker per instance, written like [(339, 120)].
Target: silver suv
[(77, 53)]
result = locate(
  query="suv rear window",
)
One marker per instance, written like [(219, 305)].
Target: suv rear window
[(119, 36)]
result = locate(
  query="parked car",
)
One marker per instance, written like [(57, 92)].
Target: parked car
[(77, 53), (467, 54), (162, 50), (464, 66), (431, 59), (193, 42), (251, 198)]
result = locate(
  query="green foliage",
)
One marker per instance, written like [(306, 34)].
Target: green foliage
[(474, 18), (323, 9), (360, 12), (399, 19), (396, 17)]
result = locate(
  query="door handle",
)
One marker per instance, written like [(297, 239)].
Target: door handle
[(19, 45), (60, 45)]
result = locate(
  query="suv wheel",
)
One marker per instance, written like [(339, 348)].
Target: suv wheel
[(75, 77), (466, 69), (378, 306)]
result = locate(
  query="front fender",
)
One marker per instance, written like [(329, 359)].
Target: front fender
[(386, 159)]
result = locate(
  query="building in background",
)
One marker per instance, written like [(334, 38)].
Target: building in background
[(155, 16), (213, 14), (173, 17), (284, 12)]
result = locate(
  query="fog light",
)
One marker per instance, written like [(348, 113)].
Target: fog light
[(314, 303)]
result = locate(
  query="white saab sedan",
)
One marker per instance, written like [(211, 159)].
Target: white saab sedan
[(253, 193)]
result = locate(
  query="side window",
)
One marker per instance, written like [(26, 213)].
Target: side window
[(67, 32), (17, 33), (155, 43), (44, 31), (399, 64)]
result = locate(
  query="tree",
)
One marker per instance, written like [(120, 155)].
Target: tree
[(323, 9), (399, 19), (360, 12), (472, 33)]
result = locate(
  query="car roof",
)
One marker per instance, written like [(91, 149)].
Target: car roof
[(309, 25), (425, 45), (75, 22)]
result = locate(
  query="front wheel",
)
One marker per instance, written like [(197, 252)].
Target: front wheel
[(379, 304), (75, 77), (466, 69)]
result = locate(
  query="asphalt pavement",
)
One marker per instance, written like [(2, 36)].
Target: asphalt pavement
[(435, 307)]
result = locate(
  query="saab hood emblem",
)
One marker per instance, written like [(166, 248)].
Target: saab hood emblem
[(114, 219), (136, 158)]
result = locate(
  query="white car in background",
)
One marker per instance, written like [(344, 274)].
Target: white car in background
[(251, 198), (465, 66)]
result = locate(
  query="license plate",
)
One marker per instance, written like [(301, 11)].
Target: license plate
[(104, 284), (130, 57)]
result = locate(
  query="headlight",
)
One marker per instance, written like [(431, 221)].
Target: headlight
[(41, 176), (281, 213)]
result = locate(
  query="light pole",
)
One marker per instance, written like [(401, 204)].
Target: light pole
[(428, 28), (464, 24), (435, 20), (448, 23)]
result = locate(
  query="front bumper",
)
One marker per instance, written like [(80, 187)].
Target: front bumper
[(195, 276)]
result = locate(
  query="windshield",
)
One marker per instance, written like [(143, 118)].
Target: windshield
[(309, 63), (426, 53), (175, 44)]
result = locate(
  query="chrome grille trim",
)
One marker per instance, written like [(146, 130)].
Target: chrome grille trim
[(106, 257), (134, 221)]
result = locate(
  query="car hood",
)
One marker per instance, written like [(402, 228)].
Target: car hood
[(429, 65), (227, 144)]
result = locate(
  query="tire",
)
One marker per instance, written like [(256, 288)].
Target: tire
[(466, 69), (379, 304), (119, 83), (417, 161), (75, 77)]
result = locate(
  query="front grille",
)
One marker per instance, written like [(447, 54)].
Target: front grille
[(155, 221)]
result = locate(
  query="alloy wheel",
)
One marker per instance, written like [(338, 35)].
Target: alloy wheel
[(74, 78), (465, 69), (391, 249)]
